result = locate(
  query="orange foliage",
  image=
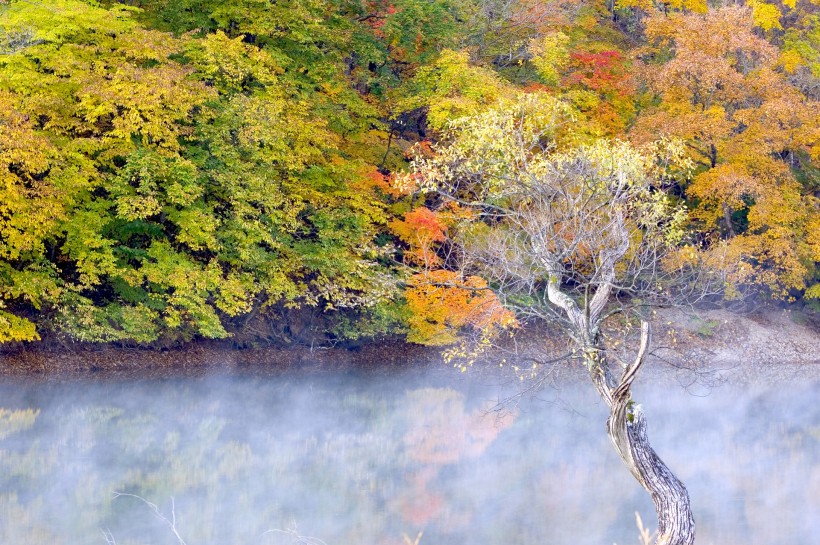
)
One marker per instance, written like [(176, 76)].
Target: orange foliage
[(535, 87), (420, 229), (606, 74), (371, 179), (723, 94), (443, 302), (716, 64), (423, 148)]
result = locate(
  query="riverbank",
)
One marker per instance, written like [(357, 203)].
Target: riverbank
[(207, 357), (776, 344)]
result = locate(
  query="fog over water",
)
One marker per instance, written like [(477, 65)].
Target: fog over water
[(414, 457)]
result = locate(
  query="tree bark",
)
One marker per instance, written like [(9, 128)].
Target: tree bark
[(626, 427), (676, 525)]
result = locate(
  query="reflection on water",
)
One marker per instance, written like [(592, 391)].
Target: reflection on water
[(388, 461)]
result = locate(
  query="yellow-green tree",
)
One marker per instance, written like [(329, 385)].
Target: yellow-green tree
[(158, 185)]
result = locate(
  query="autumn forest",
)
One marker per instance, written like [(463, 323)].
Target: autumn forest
[(248, 169)]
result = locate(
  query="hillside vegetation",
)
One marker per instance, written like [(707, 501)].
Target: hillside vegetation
[(180, 169)]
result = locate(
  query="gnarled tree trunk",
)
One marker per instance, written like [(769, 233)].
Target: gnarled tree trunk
[(675, 523), (626, 427)]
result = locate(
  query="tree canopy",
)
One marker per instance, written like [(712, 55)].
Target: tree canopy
[(186, 168)]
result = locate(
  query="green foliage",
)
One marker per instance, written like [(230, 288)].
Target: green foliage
[(801, 45), (160, 184), (384, 318)]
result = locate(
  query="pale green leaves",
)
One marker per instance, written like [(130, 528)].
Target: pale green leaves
[(494, 147), (232, 65), (550, 56), (451, 88)]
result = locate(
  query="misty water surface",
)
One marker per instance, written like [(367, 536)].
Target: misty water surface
[(358, 460)]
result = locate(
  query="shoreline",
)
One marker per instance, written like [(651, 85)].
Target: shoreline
[(768, 344)]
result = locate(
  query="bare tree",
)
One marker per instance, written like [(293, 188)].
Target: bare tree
[(573, 233)]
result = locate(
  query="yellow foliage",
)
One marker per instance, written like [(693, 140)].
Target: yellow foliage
[(231, 64), (724, 94), (790, 60), (681, 258), (770, 260), (645, 5), (724, 186), (550, 55), (14, 328), (813, 236), (695, 6), (29, 204), (766, 16)]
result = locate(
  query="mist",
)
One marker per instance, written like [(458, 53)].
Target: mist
[(406, 458)]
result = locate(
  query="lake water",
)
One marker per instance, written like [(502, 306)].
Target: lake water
[(401, 459)]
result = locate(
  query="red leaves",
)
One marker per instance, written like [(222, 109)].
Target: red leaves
[(601, 71), (378, 10)]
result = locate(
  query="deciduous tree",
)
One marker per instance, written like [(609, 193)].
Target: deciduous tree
[(720, 90), (573, 235)]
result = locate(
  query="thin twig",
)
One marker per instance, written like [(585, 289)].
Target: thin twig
[(172, 522)]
